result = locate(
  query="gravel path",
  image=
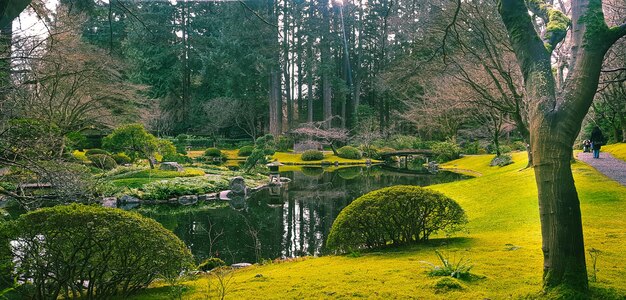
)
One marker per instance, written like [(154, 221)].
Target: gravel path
[(607, 164)]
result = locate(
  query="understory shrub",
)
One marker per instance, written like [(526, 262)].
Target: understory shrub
[(245, 151), (177, 157), (471, 148), (210, 264), (284, 143), (121, 158), (311, 155), (96, 151), (394, 215), (349, 152), (502, 160), (446, 151), (505, 149), (91, 252), (166, 189), (102, 161), (213, 152)]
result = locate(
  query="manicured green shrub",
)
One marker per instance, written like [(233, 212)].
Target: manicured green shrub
[(121, 158), (166, 189), (502, 160), (519, 146), (505, 149), (471, 148), (349, 152), (245, 151), (91, 251), (177, 157), (311, 155), (210, 264), (394, 215), (213, 152), (446, 151), (102, 161)]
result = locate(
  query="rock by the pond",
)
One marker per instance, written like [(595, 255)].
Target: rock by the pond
[(129, 199), (241, 265), (237, 185), (109, 202), (171, 166), (173, 200), (188, 200)]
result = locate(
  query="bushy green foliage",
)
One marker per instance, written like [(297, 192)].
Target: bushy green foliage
[(502, 160), (93, 250), (166, 189), (446, 151), (505, 149), (349, 152), (213, 152), (96, 151), (177, 157), (471, 148), (245, 151), (399, 142), (121, 158), (394, 215), (132, 139), (519, 146), (102, 161), (284, 143), (76, 140), (311, 155), (210, 264)]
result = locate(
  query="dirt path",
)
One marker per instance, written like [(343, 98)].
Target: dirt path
[(607, 164)]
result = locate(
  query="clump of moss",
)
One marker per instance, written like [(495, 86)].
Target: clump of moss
[(448, 284)]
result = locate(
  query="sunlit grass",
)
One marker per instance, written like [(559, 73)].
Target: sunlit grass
[(503, 242), (617, 150)]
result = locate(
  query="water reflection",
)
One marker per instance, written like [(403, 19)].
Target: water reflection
[(287, 222)]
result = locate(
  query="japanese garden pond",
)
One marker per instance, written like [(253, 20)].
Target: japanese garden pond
[(289, 221)]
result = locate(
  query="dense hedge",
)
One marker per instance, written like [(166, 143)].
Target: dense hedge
[(91, 251), (245, 151), (213, 152), (311, 155), (210, 264), (121, 158), (394, 215), (446, 151), (102, 161), (96, 151), (349, 152)]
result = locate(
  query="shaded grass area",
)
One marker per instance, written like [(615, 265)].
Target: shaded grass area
[(618, 150), (503, 242)]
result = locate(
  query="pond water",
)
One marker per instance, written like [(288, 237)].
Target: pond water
[(290, 221)]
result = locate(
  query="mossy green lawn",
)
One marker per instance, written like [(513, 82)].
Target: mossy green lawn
[(503, 241), (617, 150)]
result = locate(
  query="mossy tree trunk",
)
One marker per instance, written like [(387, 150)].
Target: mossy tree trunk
[(555, 121)]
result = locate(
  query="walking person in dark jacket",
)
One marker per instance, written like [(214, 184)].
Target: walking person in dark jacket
[(597, 140)]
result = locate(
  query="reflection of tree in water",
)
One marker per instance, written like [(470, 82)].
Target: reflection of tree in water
[(293, 223)]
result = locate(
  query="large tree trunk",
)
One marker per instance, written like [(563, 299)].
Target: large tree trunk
[(554, 124), (6, 37)]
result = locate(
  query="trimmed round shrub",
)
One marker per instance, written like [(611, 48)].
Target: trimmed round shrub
[(91, 250), (102, 161), (446, 151), (395, 215), (213, 152), (311, 155), (121, 158), (96, 151), (210, 264), (177, 157), (349, 152), (245, 151)]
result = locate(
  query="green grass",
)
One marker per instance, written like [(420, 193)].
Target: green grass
[(503, 242), (617, 150), (136, 179), (295, 159)]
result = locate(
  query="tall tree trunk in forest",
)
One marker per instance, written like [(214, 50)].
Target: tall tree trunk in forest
[(276, 102), (286, 64), (555, 121), (6, 38), (325, 64)]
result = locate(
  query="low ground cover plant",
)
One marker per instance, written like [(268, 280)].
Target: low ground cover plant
[(394, 215)]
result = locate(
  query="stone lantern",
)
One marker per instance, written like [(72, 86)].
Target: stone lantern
[(274, 172)]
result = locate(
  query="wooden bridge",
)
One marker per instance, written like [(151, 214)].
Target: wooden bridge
[(406, 154)]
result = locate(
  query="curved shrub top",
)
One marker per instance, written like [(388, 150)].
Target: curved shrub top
[(395, 215), (349, 152), (91, 251), (311, 155)]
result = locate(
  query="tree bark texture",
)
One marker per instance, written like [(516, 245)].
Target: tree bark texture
[(555, 121)]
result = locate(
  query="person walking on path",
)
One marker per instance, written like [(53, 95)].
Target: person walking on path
[(597, 140)]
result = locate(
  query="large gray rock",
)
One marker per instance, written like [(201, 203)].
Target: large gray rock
[(109, 202), (237, 185), (129, 199), (188, 200), (171, 166), (241, 265)]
